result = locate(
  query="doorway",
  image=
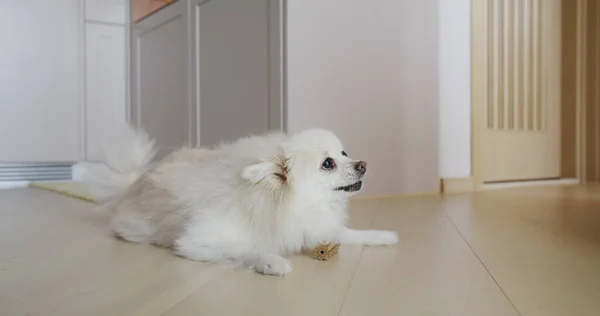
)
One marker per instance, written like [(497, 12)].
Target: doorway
[(536, 109)]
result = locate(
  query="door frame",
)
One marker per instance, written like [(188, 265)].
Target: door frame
[(479, 91)]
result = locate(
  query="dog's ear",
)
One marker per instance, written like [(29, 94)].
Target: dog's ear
[(273, 171)]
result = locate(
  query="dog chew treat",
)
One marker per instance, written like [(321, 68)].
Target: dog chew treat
[(325, 252)]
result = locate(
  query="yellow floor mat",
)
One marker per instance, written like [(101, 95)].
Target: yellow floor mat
[(78, 190)]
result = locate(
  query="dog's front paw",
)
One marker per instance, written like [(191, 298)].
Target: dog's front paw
[(273, 265), (384, 238)]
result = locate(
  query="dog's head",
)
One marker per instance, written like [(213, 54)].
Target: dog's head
[(312, 160)]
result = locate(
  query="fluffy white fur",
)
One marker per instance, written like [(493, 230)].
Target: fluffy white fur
[(247, 202)]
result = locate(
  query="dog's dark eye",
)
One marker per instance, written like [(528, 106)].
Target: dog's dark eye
[(328, 164), (344, 154)]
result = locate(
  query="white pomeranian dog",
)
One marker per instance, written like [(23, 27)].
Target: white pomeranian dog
[(247, 202)]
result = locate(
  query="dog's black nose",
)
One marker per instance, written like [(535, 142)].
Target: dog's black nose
[(361, 167)]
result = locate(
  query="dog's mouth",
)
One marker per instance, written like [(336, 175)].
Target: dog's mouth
[(351, 187)]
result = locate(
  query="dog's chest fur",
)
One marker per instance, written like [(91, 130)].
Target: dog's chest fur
[(306, 227)]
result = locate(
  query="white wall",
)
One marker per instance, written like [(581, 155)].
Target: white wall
[(368, 70), (455, 88), (40, 81)]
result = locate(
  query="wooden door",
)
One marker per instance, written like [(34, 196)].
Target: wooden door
[(521, 134)]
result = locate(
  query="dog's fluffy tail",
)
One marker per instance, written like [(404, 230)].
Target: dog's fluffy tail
[(126, 157)]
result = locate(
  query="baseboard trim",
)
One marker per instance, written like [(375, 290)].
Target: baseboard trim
[(457, 185), (394, 196), (517, 184)]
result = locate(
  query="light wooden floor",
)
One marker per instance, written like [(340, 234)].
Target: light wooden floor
[(533, 251)]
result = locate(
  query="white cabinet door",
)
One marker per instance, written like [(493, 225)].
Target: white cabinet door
[(160, 78), (233, 39), (105, 84), (204, 72), (40, 77)]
